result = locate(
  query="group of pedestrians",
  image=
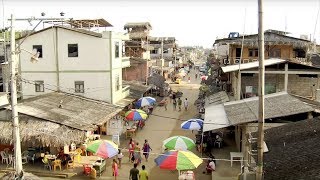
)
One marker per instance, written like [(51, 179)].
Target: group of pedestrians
[(134, 157), (178, 102)]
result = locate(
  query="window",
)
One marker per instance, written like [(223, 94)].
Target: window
[(38, 48), (165, 50), (253, 53), (116, 50), (275, 53), (117, 83), (72, 50), (155, 51), (39, 86), (79, 86)]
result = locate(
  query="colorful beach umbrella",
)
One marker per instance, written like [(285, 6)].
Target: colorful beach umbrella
[(192, 124), (178, 160), (103, 148), (145, 101), (136, 115), (179, 143)]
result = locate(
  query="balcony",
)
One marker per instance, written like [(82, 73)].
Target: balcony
[(125, 91), (125, 62)]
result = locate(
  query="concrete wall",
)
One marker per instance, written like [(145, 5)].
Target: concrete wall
[(302, 86)]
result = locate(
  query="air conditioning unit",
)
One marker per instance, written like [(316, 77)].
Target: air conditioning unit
[(226, 61), (236, 61)]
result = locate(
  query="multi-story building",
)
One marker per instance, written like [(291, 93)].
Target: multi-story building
[(138, 49), (277, 45), (163, 53), (74, 60)]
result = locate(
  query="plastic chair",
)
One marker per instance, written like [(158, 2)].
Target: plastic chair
[(11, 160), (219, 143), (56, 163), (4, 157), (77, 157), (32, 158), (70, 164), (46, 164), (24, 157)]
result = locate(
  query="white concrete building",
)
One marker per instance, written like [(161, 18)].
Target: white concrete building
[(75, 61)]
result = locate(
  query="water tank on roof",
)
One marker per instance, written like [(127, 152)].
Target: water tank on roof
[(233, 35)]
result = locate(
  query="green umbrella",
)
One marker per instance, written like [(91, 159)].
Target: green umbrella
[(179, 143)]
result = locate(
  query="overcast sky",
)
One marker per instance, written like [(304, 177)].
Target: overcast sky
[(193, 22)]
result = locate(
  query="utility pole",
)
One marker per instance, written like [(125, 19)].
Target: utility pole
[(13, 88), (13, 91), (162, 61), (259, 173)]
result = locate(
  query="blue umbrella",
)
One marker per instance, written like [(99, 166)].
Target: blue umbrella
[(192, 124), (145, 101)]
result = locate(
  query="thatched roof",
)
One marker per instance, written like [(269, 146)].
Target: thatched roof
[(294, 151), (75, 111), (34, 131)]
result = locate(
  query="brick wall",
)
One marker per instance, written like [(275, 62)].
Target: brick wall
[(302, 86), (136, 72)]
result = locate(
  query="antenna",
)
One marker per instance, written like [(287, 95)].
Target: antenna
[(285, 24), (314, 31)]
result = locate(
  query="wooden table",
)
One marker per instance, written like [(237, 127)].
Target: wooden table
[(236, 155)]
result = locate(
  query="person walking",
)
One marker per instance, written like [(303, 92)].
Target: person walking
[(196, 75), (137, 154), (165, 104), (146, 149), (174, 104), (131, 149), (185, 104), (119, 156), (143, 174), (179, 103), (134, 172), (115, 171), (189, 79)]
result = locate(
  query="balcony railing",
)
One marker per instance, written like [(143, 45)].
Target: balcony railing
[(231, 61), (125, 91)]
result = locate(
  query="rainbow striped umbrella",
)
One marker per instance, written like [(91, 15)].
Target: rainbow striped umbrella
[(178, 160), (136, 115), (103, 148)]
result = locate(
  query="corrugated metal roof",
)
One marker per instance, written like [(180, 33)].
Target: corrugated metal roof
[(246, 110), (243, 66), (217, 98)]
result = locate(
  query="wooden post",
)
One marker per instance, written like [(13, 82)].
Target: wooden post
[(259, 173), (286, 77)]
